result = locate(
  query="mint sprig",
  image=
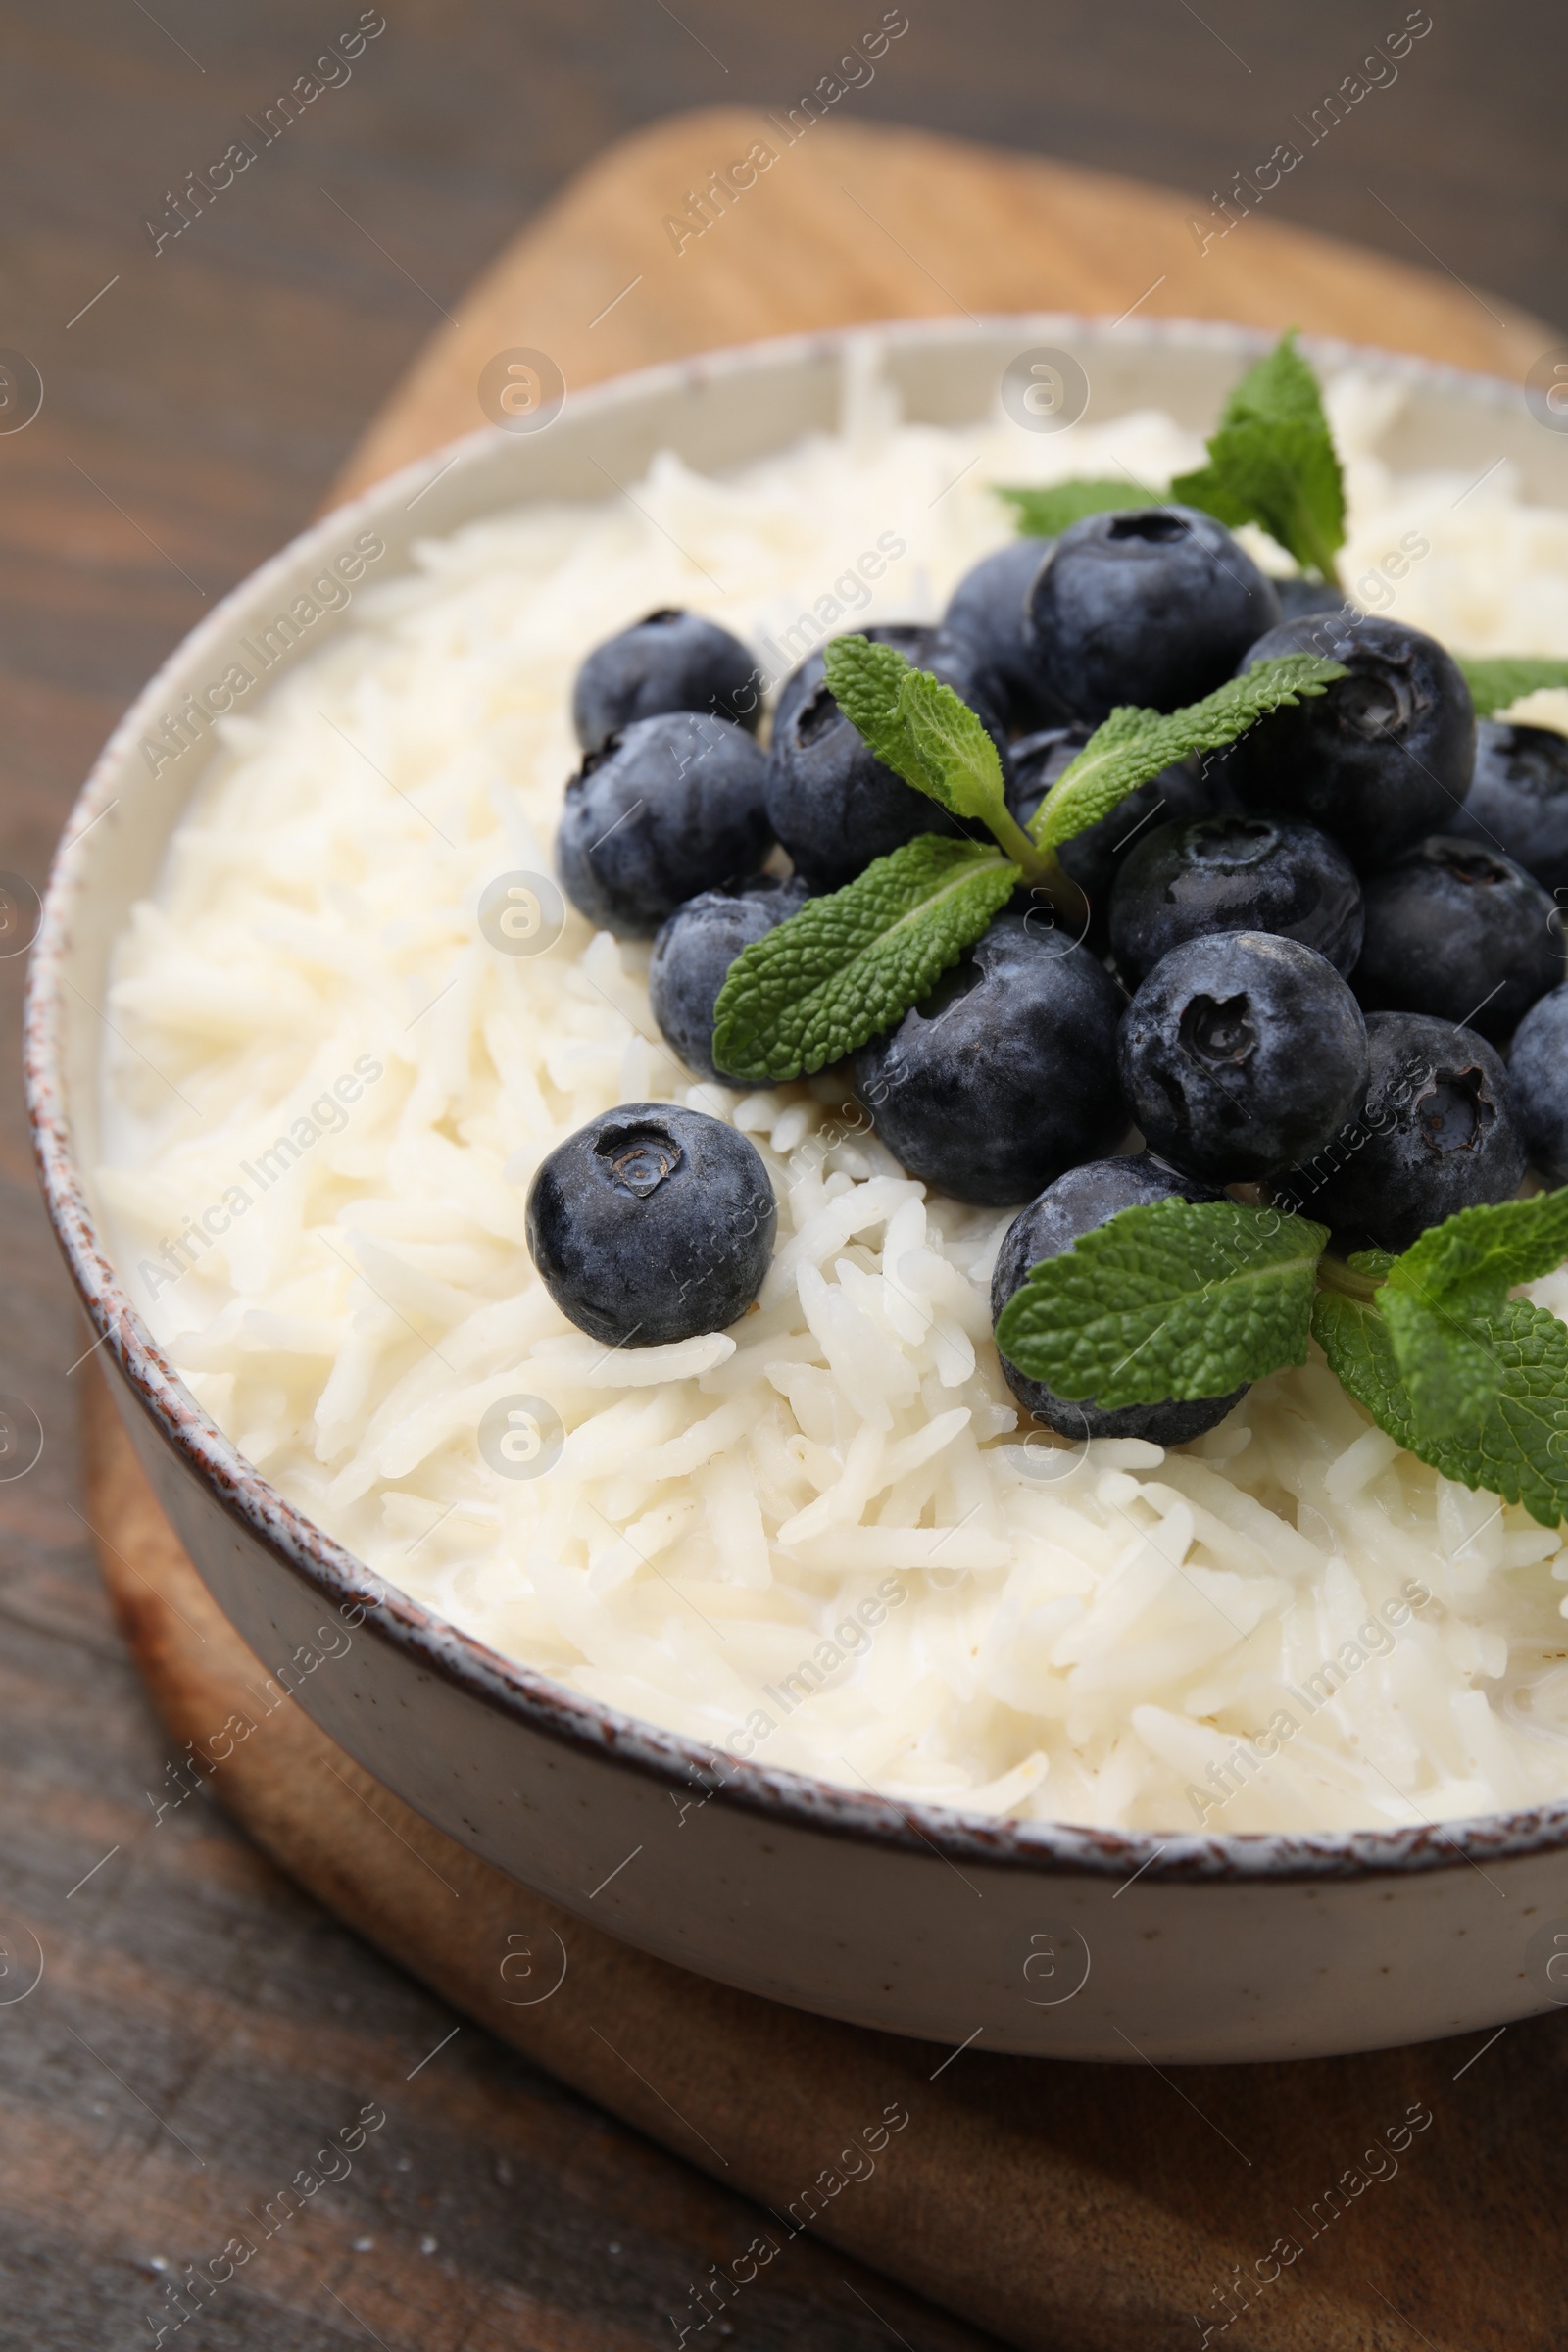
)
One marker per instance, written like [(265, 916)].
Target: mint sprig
[(850, 965), (1044, 512), (1131, 746), (1170, 1300), (1180, 1300), (1504, 678), (1272, 461)]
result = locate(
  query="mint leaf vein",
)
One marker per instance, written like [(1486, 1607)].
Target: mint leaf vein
[(851, 965), (1131, 746)]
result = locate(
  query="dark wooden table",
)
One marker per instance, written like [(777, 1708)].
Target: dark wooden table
[(197, 2015)]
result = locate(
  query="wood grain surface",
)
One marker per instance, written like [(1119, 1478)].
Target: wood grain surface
[(195, 410)]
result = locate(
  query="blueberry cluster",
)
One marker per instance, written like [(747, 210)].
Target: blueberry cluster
[(1302, 962)]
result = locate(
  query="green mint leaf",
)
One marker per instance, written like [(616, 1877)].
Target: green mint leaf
[(1272, 461), (866, 680), (1173, 1300), (1354, 1337), (1478, 1255), (930, 737), (1045, 512), (1441, 1298), (851, 965), (1284, 476), (1503, 679), (1131, 746), (1519, 1452), (1279, 389), (1206, 488), (917, 726), (1449, 1366)]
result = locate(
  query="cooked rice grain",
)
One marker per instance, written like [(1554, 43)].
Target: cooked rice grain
[(819, 1538)]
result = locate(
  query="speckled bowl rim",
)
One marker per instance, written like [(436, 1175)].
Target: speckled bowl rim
[(1047, 1847)]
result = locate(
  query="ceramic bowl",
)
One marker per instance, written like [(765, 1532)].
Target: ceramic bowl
[(1036, 1936)]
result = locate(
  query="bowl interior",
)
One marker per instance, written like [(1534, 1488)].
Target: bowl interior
[(717, 414)]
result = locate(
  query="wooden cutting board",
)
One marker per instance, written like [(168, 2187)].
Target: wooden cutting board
[(1079, 2208), (851, 224)]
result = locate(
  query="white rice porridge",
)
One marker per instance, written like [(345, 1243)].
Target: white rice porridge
[(819, 1538)]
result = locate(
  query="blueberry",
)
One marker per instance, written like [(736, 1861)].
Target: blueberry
[(987, 610), (911, 638), (1240, 1055), (1234, 874), (1040, 761), (671, 660), (954, 659), (1153, 606), (651, 1224), (1537, 1077), (1378, 758), (1460, 932), (670, 807), (1087, 1197), (830, 799), (1005, 1075), (1436, 1134), (1518, 799), (1093, 857), (692, 957), (1300, 596)]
